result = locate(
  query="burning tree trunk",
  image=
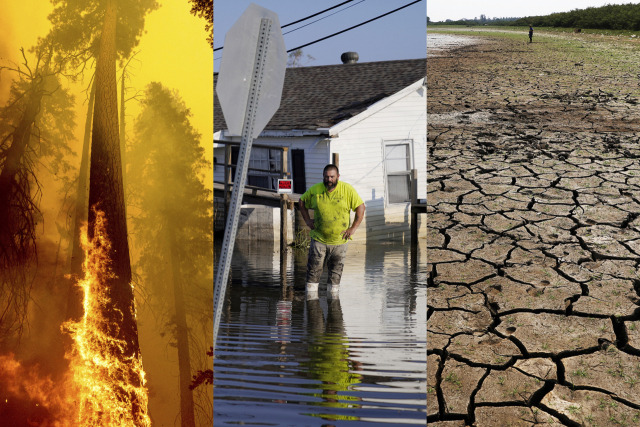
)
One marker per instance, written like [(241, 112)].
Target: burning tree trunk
[(106, 198), (105, 188)]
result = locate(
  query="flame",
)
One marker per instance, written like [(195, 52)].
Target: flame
[(110, 385), (103, 386)]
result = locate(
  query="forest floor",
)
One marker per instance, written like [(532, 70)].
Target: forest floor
[(534, 232)]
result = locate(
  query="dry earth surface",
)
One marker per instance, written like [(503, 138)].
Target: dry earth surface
[(534, 233)]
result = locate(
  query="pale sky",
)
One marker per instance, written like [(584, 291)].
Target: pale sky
[(400, 35), (173, 51), (440, 10)]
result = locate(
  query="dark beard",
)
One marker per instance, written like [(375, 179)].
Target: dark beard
[(329, 185)]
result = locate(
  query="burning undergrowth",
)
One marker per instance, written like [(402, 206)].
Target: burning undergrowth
[(104, 386)]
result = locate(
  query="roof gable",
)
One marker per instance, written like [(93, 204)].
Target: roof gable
[(322, 96)]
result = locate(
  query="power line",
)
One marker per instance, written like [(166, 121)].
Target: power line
[(355, 26), (316, 14), (304, 19), (320, 19), (348, 29)]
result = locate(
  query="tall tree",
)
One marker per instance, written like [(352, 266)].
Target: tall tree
[(106, 191), (36, 126), (173, 218), (107, 30), (77, 36)]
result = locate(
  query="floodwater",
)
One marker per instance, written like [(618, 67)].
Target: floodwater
[(283, 360)]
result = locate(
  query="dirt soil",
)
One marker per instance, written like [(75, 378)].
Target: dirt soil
[(534, 233)]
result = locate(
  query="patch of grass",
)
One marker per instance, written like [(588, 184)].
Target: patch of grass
[(302, 240), (574, 409), (453, 379), (581, 373)]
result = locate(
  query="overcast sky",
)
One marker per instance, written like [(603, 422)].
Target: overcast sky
[(400, 35), (440, 10)]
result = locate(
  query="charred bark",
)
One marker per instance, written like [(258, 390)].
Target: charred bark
[(74, 302), (106, 188)]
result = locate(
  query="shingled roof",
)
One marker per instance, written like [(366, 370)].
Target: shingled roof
[(321, 96)]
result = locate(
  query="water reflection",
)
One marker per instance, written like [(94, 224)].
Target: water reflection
[(282, 360), (329, 360)]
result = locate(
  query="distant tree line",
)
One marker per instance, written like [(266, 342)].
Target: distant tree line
[(609, 17), (482, 20)]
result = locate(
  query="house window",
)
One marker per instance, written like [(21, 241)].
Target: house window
[(397, 162), (264, 168)]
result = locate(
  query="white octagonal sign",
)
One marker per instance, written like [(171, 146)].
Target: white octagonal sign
[(237, 68)]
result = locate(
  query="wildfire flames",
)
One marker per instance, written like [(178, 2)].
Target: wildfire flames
[(111, 386), (103, 387)]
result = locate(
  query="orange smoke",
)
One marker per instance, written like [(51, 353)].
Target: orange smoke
[(28, 399)]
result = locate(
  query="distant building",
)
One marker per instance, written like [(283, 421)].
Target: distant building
[(373, 115)]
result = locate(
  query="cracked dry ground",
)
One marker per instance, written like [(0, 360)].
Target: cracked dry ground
[(533, 235)]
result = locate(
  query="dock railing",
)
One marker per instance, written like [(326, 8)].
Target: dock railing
[(272, 175)]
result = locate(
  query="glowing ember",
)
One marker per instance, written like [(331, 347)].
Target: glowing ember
[(110, 384)]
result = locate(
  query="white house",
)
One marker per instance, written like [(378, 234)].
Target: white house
[(373, 115)]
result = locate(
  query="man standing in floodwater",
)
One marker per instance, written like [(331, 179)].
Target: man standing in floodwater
[(332, 202), (530, 34)]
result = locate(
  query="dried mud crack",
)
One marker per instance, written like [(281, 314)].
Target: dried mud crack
[(534, 234)]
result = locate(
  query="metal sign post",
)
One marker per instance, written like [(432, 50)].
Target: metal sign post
[(265, 81)]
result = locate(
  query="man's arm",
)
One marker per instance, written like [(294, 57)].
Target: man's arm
[(346, 234), (305, 215)]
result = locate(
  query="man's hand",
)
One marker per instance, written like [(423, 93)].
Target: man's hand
[(305, 215), (346, 234)]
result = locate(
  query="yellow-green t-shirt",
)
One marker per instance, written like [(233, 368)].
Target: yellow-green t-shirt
[(331, 211)]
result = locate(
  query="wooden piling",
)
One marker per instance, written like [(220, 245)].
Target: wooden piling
[(414, 213), (284, 217)]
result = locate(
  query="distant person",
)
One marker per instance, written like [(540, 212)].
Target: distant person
[(332, 202), (530, 34)]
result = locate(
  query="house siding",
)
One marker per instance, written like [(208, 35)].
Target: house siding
[(360, 145), (361, 151), (316, 155)]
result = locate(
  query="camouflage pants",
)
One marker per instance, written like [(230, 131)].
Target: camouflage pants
[(332, 255)]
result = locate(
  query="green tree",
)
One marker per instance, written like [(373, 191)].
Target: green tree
[(172, 218)]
